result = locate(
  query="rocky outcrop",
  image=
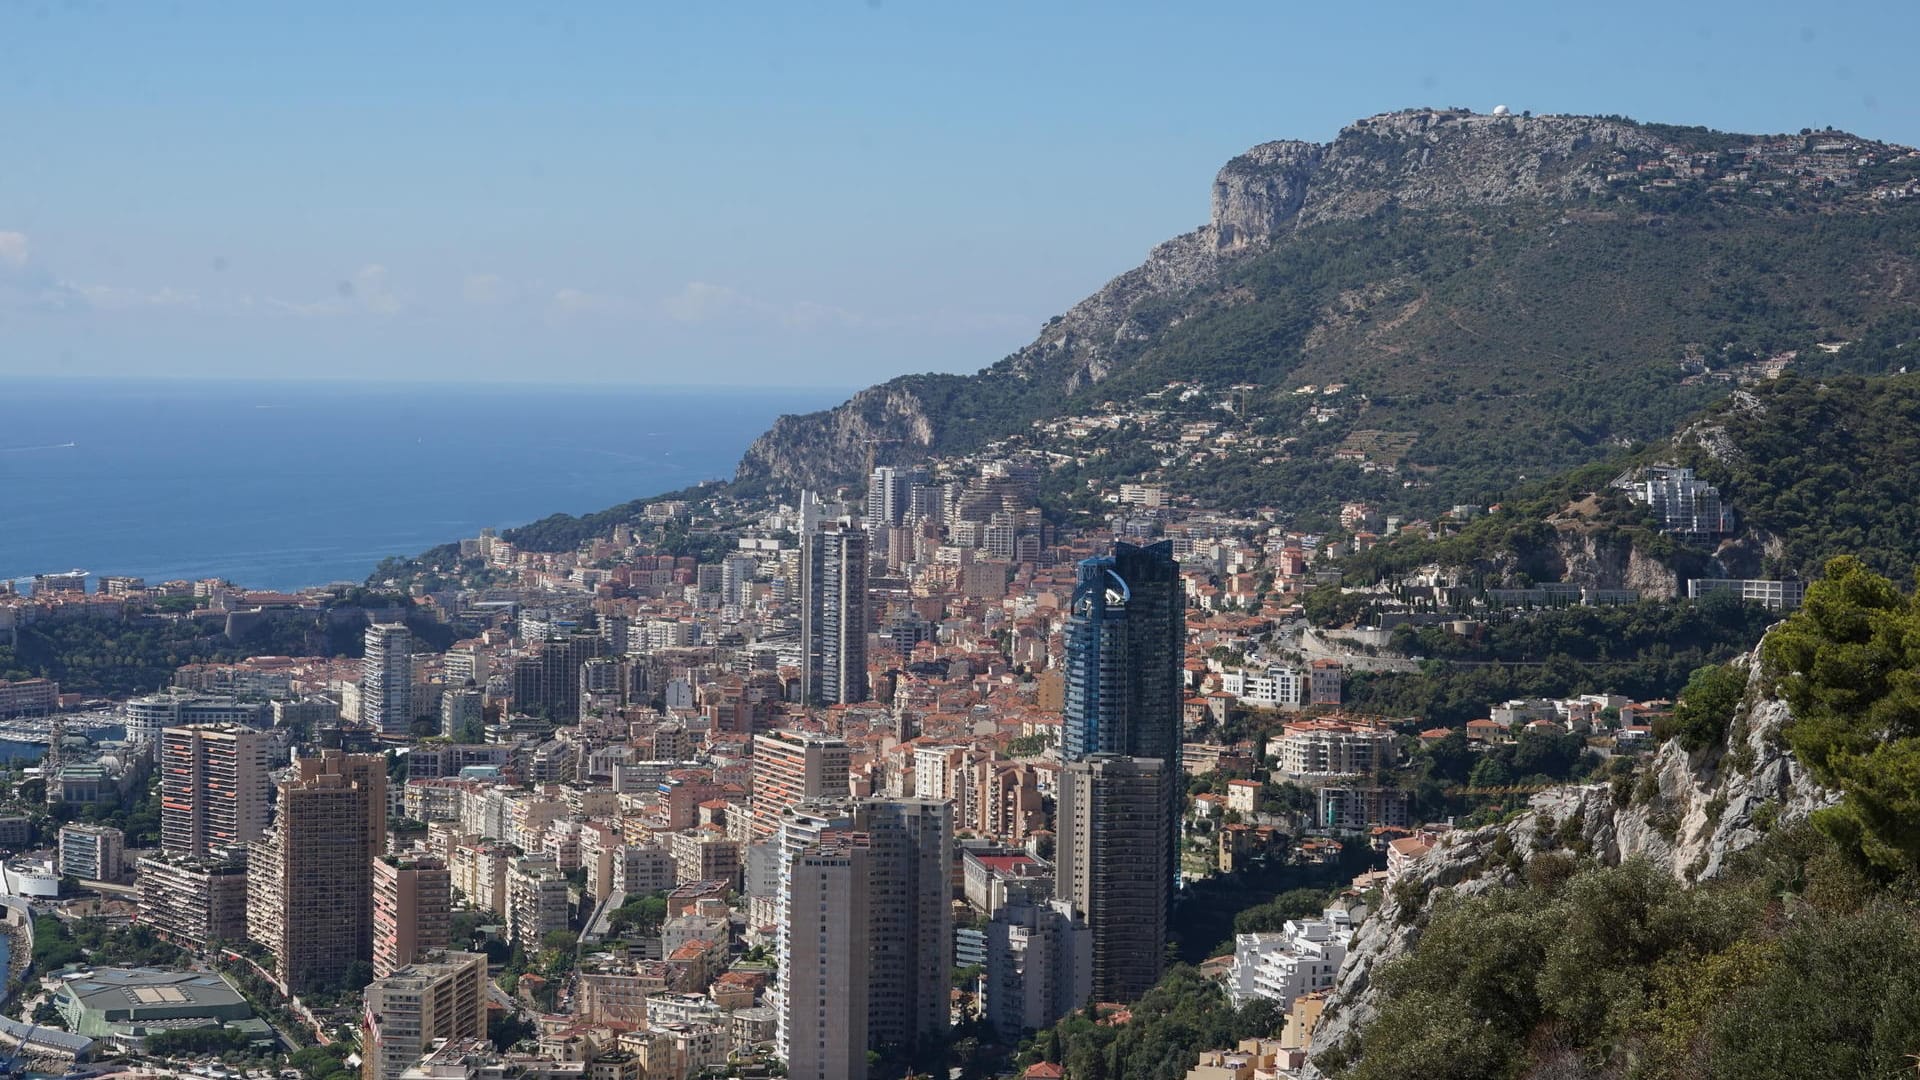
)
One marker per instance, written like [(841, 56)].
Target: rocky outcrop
[(820, 450), (1418, 159), (1259, 194), (1687, 813), (1609, 561), (1426, 159), (1577, 554)]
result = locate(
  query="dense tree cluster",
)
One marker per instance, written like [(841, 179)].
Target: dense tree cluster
[(1706, 707), (1792, 965), (1825, 467), (119, 658), (138, 654), (58, 943), (1169, 1027), (202, 1040), (1848, 663), (1649, 629), (1647, 650)]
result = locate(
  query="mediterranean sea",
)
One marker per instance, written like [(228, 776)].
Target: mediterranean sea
[(279, 485)]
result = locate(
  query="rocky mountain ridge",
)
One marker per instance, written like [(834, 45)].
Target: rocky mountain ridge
[(1686, 813), (1423, 161)]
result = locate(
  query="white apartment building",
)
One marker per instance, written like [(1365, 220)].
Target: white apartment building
[(148, 716), (1332, 747), (536, 901), (1039, 965), (1303, 958), (1276, 688), (822, 1033), (386, 678)]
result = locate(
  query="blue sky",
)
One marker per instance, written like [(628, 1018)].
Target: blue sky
[(760, 194)]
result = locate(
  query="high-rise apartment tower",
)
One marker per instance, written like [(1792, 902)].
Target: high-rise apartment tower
[(833, 614), (214, 789), (1115, 845), (310, 881), (386, 678)]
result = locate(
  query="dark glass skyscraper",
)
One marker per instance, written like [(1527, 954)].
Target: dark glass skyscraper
[(1120, 798), (1125, 644)]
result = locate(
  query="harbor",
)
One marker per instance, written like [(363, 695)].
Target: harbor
[(97, 725)]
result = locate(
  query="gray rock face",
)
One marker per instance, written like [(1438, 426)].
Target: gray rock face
[(821, 449), (1703, 813), (1419, 159), (1589, 560), (1433, 159), (1422, 159), (1259, 194)]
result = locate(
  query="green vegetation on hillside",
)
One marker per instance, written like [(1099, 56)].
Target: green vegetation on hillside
[(117, 658), (566, 532), (1802, 959), (1520, 534), (1793, 965), (1645, 650), (1181, 1016), (1511, 343), (1825, 466), (1812, 468), (1706, 707), (1848, 663), (138, 654), (1650, 629)]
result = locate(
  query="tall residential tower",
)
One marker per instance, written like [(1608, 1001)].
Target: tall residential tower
[(310, 881), (1126, 641), (214, 788), (386, 678), (412, 910), (833, 614), (1115, 845), (1120, 797)]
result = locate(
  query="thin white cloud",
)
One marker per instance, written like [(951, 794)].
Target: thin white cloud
[(14, 248), (570, 302), (367, 291), (486, 290), (311, 309), (808, 315), (704, 302), (375, 292), (116, 298), (25, 285)]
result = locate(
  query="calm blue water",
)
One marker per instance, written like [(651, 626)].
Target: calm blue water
[(278, 485)]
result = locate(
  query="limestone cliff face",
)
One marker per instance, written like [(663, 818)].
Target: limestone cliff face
[(1258, 195), (1434, 159), (1597, 559), (1419, 159), (1692, 813), (1608, 562), (820, 450)]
